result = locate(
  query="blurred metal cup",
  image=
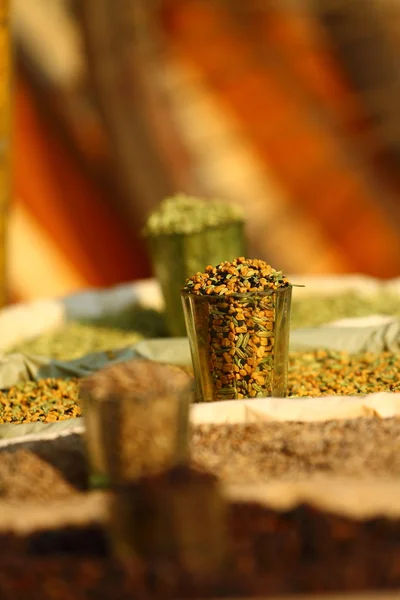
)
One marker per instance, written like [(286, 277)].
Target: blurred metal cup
[(137, 419)]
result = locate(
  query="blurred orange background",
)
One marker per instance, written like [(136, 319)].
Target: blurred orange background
[(257, 106)]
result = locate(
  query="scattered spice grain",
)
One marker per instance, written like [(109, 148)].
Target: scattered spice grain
[(241, 315)]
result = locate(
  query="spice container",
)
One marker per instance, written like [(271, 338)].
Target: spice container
[(238, 320), (136, 416), (185, 234)]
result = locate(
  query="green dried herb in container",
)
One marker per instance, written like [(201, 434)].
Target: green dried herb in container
[(185, 234)]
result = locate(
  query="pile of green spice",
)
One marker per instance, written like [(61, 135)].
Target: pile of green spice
[(183, 214), (240, 325), (46, 400), (324, 373), (75, 340), (311, 311)]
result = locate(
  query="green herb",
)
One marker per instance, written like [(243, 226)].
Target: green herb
[(183, 235), (311, 311), (186, 215), (75, 340)]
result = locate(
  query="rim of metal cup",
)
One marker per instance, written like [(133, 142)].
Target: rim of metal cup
[(280, 290)]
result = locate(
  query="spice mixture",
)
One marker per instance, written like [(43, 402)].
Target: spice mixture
[(257, 453), (323, 373), (319, 373), (312, 311), (241, 313), (46, 400)]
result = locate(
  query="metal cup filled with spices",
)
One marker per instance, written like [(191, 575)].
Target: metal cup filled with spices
[(238, 321), (185, 234), (136, 416)]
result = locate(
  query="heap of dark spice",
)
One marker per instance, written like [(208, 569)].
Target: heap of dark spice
[(241, 325), (302, 550), (46, 400)]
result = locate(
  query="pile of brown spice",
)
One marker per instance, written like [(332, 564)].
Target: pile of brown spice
[(257, 453), (24, 476)]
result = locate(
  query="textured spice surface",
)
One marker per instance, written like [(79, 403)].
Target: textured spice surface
[(257, 453), (303, 550), (237, 277), (252, 453), (323, 373), (47, 400), (297, 551), (24, 476), (316, 310), (300, 551), (187, 214), (319, 373), (75, 340), (235, 325)]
